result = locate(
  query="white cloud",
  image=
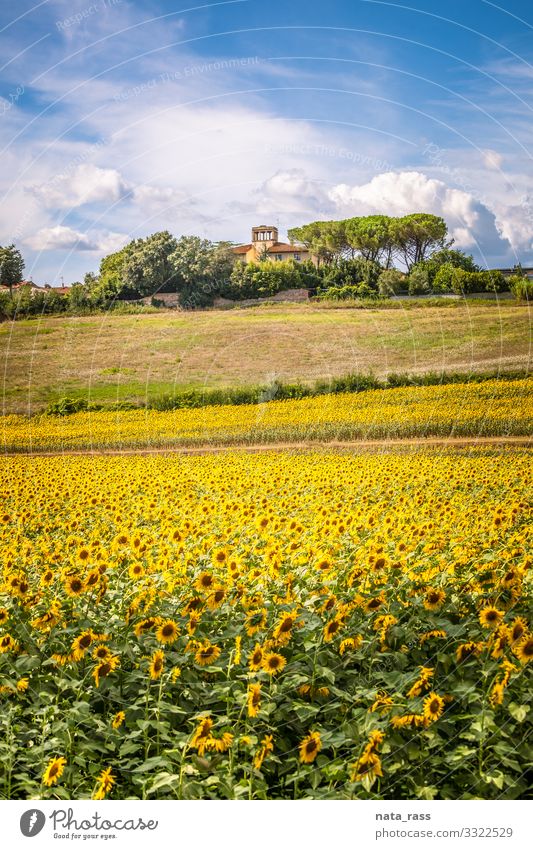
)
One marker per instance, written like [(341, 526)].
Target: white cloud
[(516, 224), (293, 190), (86, 183), (65, 238), (492, 159), (472, 224)]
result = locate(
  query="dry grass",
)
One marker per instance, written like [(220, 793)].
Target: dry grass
[(109, 358)]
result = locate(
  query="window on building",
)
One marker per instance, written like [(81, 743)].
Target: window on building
[(297, 257)]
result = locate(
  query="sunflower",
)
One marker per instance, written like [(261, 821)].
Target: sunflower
[(206, 654), (74, 586), (121, 540), (273, 663), (204, 582), (501, 641), (468, 650), (7, 643), (490, 617), (220, 556), (101, 652), (368, 766), (283, 629), (81, 644), (53, 771), (524, 649), (222, 743), (331, 629), (93, 577), (193, 623), (145, 625), (157, 661), (350, 644), (433, 707), (382, 703), (202, 736), (255, 621), (422, 683), (434, 599), (136, 571), (23, 684), (255, 660), (4, 615), (310, 747), (83, 554), (105, 781), (254, 699), (216, 598), (373, 604), (266, 747), (104, 668), (167, 632), (118, 719), (517, 629), (194, 605)]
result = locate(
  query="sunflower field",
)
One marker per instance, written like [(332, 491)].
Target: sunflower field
[(290, 625), (493, 408)]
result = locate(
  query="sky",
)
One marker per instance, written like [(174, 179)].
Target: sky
[(121, 118)]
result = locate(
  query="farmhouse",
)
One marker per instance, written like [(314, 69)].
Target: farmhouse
[(265, 245)]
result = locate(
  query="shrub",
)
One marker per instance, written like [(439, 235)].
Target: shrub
[(66, 406), (418, 281), (442, 281), (351, 272), (521, 287), (345, 293), (466, 282), (391, 282)]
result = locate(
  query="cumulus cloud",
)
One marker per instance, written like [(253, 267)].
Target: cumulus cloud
[(516, 224), (472, 224), (293, 188), (86, 183), (65, 238), (153, 198)]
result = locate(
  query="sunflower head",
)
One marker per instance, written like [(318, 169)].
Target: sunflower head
[(53, 771), (433, 707), (310, 747), (167, 632), (490, 617), (524, 649), (273, 663)]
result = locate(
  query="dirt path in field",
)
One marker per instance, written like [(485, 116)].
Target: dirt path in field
[(363, 444)]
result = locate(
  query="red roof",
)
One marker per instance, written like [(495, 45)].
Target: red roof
[(276, 248), (283, 247)]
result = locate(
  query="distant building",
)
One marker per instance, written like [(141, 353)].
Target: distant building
[(265, 245), (507, 272), (59, 290)]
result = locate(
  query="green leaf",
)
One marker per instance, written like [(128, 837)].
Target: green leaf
[(519, 712), (150, 764)]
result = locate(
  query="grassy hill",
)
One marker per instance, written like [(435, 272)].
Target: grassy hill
[(127, 357)]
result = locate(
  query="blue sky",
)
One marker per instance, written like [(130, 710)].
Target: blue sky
[(118, 119)]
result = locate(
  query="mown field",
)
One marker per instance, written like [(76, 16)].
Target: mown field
[(134, 357), (312, 625), (491, 408)]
